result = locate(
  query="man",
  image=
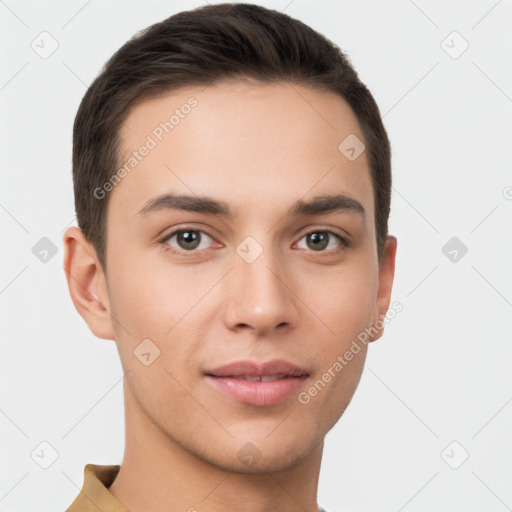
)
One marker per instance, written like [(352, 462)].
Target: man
[(232, 186)]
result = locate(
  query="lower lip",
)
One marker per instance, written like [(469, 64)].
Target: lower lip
[(256, 392)]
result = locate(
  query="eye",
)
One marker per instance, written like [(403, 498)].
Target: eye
[(195, 240), (188, 240), (318, 240)]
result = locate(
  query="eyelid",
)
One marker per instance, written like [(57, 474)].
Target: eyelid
[(329, 229)]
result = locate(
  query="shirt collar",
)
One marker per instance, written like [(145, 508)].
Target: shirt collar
[(95, 495)]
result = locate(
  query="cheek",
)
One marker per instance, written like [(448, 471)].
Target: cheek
[(147, 300), (344, 301), (346, 308), (158, 304), (150, 317)]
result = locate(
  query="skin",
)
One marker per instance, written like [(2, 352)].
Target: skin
[(259, 148)]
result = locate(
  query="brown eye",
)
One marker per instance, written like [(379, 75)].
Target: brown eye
[(187, 240), (319, 240)]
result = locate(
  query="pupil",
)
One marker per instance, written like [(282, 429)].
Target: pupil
[(188, 237), (315, 237)]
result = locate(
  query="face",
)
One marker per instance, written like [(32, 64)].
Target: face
[(251, 274)]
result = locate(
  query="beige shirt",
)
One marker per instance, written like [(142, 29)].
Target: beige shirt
[(95, 495)]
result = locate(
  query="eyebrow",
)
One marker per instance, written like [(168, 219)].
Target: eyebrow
[(323, 204)]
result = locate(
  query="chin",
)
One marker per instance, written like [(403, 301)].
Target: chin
[(262, 454)]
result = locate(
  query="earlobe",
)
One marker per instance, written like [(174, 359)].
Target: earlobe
[(386, 277), (87, 283)]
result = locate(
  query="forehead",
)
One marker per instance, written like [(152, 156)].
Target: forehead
[(248, 144)]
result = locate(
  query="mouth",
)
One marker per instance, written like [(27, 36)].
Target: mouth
[(277, 368), (258, 384)]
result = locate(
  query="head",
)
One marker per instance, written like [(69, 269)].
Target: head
[(284, 250)]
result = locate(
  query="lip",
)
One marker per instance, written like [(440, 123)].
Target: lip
[(253, 369), (259, 393)]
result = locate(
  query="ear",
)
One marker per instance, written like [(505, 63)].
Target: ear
[(386, 276), (87, 283)]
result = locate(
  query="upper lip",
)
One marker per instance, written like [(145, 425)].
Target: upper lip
[(255, 369)]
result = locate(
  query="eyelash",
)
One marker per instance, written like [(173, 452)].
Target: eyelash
[(344, 242)]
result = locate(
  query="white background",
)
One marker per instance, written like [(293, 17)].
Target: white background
[(441, 373)]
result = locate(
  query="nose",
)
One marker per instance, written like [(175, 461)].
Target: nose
[(260, 296)]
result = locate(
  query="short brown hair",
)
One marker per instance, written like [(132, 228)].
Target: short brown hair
[(199, 47)]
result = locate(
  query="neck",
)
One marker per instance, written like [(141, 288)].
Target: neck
[(158, 473)]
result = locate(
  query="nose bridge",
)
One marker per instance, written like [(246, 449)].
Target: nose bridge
[(258, 294)]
